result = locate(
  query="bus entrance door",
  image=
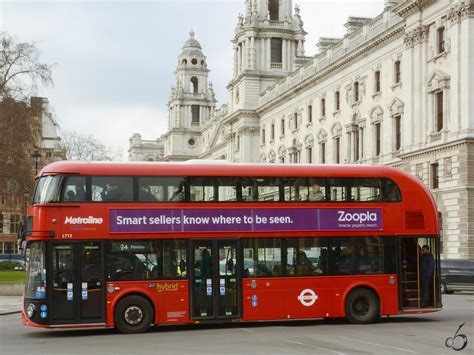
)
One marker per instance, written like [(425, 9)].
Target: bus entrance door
[(419, 275), (215, 280), (76, 282)]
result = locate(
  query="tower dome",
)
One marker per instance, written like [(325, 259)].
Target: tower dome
[(192, 48), (191, 56), (192, 42)]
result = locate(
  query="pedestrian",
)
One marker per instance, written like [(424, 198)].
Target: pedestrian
[(427, 269)]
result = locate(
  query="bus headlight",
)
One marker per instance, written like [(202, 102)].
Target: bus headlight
[(30, 310)]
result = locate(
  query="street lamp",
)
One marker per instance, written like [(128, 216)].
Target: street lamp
[(36, 156)]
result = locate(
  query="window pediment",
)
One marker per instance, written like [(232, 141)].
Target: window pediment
[(396, 107), (438, 81)]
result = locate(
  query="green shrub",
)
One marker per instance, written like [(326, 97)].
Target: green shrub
[(8, 265)]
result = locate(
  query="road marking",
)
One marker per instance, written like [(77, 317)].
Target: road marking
[(380, 345), (248, 330), (312, 346)]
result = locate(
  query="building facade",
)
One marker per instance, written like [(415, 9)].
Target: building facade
[(46, 149), (396, 90)]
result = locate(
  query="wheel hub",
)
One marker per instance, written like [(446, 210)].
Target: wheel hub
[(361, 306), (133, 315)]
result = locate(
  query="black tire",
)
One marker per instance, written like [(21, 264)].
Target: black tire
[(133, 314), (362, 306)]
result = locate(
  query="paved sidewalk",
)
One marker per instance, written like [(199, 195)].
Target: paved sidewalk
[(10, 304)]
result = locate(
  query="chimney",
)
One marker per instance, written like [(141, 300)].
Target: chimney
[(389, 4), (326, 42), (354, 23)]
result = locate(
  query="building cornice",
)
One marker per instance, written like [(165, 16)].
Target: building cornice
[(237, 114), (409, 7), (257, 74), (437, 148)]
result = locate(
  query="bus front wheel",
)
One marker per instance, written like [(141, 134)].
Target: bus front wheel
[(362, 306), (133, 314)]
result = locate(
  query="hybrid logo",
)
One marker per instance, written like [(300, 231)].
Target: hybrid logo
[(83, 220), (357, 217)]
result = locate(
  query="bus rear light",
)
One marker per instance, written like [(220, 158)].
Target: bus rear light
[(414, 220)]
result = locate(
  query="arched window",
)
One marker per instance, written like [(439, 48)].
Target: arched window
[(273, 9), (194, 85)]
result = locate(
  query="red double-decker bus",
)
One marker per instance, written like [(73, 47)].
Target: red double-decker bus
[(137, 244)]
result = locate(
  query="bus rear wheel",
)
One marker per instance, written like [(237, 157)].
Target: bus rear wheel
[(362, 306), (133, 314)]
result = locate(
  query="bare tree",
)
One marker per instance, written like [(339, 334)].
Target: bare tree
[(20, 68), (87, 147), (21, 71), (19, 132)]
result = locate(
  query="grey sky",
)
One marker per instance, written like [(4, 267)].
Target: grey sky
[(116, 59)]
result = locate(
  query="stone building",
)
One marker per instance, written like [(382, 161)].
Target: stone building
[(46, 149), (396, 90)]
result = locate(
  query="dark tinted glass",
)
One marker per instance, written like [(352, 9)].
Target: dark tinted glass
[(163, 188), (213, 189), (262, 257), (313, 256), (147, 260), (133, 260), (112, 189), (304, 189), (75, 189), (306, 256), (261, 189), (362, 255)]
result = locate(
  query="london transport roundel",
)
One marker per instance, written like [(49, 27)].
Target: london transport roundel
[(307, 297)]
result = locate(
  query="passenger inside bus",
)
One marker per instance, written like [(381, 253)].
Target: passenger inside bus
[(80, 193), (204, 266), (178, 194), (145, 194), (323, 261), (316, 194), (182, 268), (303, 264), (114, 193)]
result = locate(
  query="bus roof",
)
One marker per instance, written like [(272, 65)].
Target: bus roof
[(220, 168)]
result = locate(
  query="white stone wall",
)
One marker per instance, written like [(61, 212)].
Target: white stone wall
[(409, 37), (261, 96)]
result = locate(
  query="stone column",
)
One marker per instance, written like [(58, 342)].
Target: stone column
[(252, 53), (268, 51), (236, 60)]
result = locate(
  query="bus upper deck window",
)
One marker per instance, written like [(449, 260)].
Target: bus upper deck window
[(47, 189), (261, 189), (112, 188), (391, 192), (202, 189), (75, 189)]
